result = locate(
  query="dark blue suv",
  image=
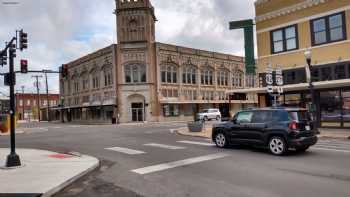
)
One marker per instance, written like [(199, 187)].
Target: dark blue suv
[(278, 129)]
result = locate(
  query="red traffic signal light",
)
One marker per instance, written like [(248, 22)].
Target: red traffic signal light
[(24, 66)]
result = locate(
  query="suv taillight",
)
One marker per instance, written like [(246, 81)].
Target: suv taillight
[(293, 125)]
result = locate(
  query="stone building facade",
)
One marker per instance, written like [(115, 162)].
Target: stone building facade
[(151, 81)]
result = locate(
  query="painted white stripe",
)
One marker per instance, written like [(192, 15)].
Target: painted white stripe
[(166, 166), (56, 127), (196, 143), (126, 150), (165, 146), (333, 147), (328, 149)]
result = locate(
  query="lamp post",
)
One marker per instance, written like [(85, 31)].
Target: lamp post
[(308, 57)]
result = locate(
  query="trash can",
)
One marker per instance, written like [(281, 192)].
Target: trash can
[(196, 126), (4, 126)]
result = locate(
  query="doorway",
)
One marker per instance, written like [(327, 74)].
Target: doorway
[(137, 111)]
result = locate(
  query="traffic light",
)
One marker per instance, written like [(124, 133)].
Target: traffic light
[(12, 51), (64, 70), (3, 58), (24, 66), (23, 40)]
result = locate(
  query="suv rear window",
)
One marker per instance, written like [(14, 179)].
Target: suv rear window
[(280, 115), (299, 115)]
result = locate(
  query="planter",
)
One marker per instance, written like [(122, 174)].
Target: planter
[(195, 126)]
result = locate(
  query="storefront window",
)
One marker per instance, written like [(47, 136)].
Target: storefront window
[(330, 104), (171, 110), (346, 108), (292, 100)]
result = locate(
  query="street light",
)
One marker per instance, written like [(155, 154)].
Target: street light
[(309, 69)]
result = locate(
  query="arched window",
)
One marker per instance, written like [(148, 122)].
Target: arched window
[(238, 79), (84, 80), (189, 75), (135, 73), (95, 78), (207, 76), (222, 77), (108, 76), (169, 74)]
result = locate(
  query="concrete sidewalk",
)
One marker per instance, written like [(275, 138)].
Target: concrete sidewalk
[(43, 172), (325, 133)]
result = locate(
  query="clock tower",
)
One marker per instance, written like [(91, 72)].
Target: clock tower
[(135, 21), (136, 61)]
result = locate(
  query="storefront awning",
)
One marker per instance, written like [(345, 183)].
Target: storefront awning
[(297, 87)]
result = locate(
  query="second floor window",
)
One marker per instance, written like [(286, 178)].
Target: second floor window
[(328, 29), (207, 76), (135, 73), (222, 77), (169, 74), (285, 39), (189, 75)]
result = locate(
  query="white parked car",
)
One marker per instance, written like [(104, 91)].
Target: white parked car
[(209, 114)]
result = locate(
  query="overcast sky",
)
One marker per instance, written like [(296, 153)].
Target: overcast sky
[(63, 30)]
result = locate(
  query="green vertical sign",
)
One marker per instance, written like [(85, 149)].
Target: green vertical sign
[(247, 26)]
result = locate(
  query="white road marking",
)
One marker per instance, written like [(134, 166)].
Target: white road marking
[(166, 166), (75, 126), (196, 143), (331, 149), (56, 127), (165, 146), (332, 146), (126, 150)]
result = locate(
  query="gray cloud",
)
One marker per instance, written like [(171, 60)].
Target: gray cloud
[(63, 30)]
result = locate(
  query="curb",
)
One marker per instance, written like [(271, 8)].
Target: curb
[(57, 189), (178, 132)]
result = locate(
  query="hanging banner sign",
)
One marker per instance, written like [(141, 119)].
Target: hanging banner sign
[(279, 79), (269, 78)]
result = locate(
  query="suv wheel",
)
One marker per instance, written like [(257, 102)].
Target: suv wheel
[(277, 145), (218, 118), (220, 140), (206, 118)]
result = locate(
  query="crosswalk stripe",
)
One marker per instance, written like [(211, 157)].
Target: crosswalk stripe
[(126, 150), (331, 149), (196, 143), (166, 166), (333, 145), (165, 146)]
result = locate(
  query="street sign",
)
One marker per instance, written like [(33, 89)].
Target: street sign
[(269, 78), (279, 79)]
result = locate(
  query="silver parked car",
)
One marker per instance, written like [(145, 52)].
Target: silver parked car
[(209, 114)]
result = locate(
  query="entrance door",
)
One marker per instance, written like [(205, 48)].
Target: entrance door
[(137, 111)]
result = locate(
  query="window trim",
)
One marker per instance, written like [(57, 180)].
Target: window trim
[(284, 40), (328, 36)]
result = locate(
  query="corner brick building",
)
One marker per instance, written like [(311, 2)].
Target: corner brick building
[(139, 79)]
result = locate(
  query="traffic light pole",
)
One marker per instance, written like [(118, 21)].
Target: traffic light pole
[(13, 159)]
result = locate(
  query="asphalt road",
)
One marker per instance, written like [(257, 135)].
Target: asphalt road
[(149, 160)]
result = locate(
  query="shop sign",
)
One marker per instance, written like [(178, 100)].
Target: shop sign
[(269, 78)]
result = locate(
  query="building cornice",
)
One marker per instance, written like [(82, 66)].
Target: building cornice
[(287, 10)]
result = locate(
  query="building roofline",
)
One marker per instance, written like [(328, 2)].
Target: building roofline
[(204, 51), (86, 57)]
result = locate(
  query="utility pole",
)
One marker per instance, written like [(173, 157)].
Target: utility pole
[(47, 98), (38, 93)]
